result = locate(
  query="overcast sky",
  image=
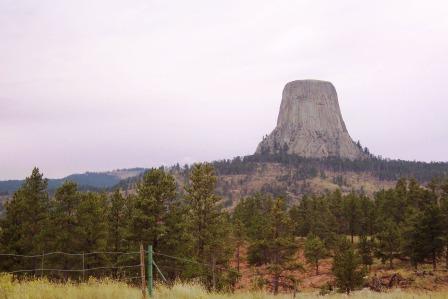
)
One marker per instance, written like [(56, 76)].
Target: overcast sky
[(91, 85)]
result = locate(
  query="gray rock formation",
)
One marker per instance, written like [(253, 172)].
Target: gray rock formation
[(310, 123)]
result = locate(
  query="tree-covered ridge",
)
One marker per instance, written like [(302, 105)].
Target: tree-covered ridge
[(293, 177), (384, 169), (304, 168), (89, 181), (406, 223)]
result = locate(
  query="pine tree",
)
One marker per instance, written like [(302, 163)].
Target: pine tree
[(444, 209), (351, 214), (276, 246), (367, 216), (64, 216), (431, 232), (92, 227), (208, 223), (365, 249), (301, 215), (203, 204), (116, 222), (411, 237), (155, 193), (118, 215), (389, 243), (336, 207), (314, 251), (391, 206), (64, 227), (178, 242), (239, 236), (346, 267), (25, 224), (314, 216)]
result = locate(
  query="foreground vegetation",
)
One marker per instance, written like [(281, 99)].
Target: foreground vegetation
[(94, 289), (196, 239), (43, 289)]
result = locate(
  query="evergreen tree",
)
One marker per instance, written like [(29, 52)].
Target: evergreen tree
[(155, 193), (336, 207), (389, 243), (431, 232), (314, 216), (119, 211), (250, 211), (239, 236), (275, 246), (302, 217), (444, 210), (365, 249), (368, 216), (411, 237), (26, 221), (346, 267), (178, 242), (209, 225), (314, 251), (64, 215), (351, 214), (64, 228), (92, 227), (117, 222), (391, 206)]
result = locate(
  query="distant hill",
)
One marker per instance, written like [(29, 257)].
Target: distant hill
[(86, 181)]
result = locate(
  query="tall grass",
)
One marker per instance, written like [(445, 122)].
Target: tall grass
[(43, 289), (94, 289)]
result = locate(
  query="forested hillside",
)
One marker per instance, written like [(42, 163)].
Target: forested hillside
[(87, 181), (292, 176)]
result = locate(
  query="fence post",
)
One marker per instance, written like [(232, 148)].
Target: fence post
[(142, 269), (42, 265), (83, 267), (150, 283)]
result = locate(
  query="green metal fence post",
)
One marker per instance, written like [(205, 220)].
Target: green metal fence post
[(150, 285)]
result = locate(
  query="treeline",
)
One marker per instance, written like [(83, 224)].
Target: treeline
[(308, 168), (194, 237), (383, 169)]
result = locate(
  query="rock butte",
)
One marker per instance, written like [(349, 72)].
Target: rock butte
[(310, 123)]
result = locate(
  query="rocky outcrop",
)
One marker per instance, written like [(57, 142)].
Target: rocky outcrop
[(310, 123)]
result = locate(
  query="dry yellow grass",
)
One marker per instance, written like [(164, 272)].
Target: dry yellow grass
[(94, 289), (43, 289)]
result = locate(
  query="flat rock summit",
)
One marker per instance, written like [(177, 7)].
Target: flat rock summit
[(310, 123)]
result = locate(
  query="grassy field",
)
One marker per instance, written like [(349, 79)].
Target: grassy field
[(42, 289)]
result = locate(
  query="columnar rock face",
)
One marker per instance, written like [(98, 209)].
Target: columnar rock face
[(310, 123)]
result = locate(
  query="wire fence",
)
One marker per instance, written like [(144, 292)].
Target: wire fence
[(132, 273), (85, 271), (126, 272)]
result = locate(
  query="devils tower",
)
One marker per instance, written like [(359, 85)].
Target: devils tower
[(310, 123)]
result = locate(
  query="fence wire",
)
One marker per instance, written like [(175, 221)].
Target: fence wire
[(70, 254), (41, 270)]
